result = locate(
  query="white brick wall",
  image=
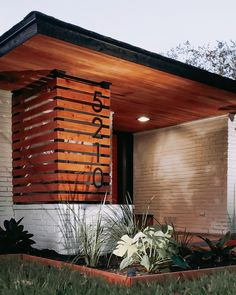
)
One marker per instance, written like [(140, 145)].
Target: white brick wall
[(6, 211), (231, 180), (54, 225), (184, 168)]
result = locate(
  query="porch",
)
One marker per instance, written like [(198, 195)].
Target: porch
[(182, 160)]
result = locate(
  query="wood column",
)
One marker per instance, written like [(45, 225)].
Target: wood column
[(62, 141)]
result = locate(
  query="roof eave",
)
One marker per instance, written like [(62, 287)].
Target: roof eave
[(38, 23), (18, 34)]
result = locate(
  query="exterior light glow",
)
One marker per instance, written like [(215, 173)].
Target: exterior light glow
[(143, 119)]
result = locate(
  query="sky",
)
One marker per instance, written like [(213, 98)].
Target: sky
[(151, 24)]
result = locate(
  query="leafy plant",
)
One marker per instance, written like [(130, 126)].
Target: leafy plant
[(14, 238), (124, 222), (218, 251), (151, 248)]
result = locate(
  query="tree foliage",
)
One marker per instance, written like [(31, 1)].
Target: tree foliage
[(219, 59)]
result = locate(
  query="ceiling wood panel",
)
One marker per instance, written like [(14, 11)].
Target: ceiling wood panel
[(136, 89)]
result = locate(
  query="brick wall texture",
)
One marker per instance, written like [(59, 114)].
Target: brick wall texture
[(231, 175), (57, 226), (6, 211), (184, 169), (188, 170)]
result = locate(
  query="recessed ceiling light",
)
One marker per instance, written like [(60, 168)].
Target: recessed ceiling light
[(143, 119)]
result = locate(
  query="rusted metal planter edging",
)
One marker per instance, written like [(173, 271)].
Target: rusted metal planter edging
[(93, 272), (121, 279)]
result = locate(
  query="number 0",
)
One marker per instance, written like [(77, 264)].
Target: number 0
[(97, 171)]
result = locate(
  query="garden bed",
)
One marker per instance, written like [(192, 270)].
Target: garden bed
[(27, 277), (157, 253), (123, 279)]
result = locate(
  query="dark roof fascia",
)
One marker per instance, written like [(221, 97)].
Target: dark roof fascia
[(39, 23), (18, 34)]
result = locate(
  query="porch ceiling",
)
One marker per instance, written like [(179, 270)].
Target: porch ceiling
[(139, 86)]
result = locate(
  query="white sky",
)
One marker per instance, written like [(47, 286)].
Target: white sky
[(151, 24)]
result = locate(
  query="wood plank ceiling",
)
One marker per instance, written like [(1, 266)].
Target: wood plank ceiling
[(136, 90)]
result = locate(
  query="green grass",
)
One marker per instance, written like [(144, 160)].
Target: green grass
[(18, 277)]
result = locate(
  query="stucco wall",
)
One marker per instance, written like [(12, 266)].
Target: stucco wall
[(6, 211), (185, 169)]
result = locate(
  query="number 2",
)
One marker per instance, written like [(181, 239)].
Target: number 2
[(96, 135)]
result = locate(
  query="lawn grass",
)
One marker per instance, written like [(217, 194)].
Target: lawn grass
[(19, 277)]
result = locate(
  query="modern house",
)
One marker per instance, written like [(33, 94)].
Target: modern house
[(70, 99)]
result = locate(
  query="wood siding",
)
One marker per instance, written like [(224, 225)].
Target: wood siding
[(61, 143)]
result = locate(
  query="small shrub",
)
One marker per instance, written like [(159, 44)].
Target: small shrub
[(91, 239), (218, 251), (183, 240), (152, 248), (14, 238), (88, 234), (124, 222)]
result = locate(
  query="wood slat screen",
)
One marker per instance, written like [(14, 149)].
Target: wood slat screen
[(62, 142)]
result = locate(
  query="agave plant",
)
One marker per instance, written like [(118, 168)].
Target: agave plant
[(14, 239)]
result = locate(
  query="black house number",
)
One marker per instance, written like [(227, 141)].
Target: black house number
[(97, 172)]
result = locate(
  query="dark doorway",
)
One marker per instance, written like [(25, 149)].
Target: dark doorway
[(122, 166)]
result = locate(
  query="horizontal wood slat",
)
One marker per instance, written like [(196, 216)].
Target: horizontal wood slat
[(79, 86), (36, 169), (67, 187), (30, 132), (62, 146), (51, 126), (42, 98), (59, 135), (82, 137), (61, 156), (80, 116), (82, 148), (38, 110), (61, 143), (39, 120), (25, 96), (84, 128), (83, 98), (59, 177), (78, 168), (45, 198)]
